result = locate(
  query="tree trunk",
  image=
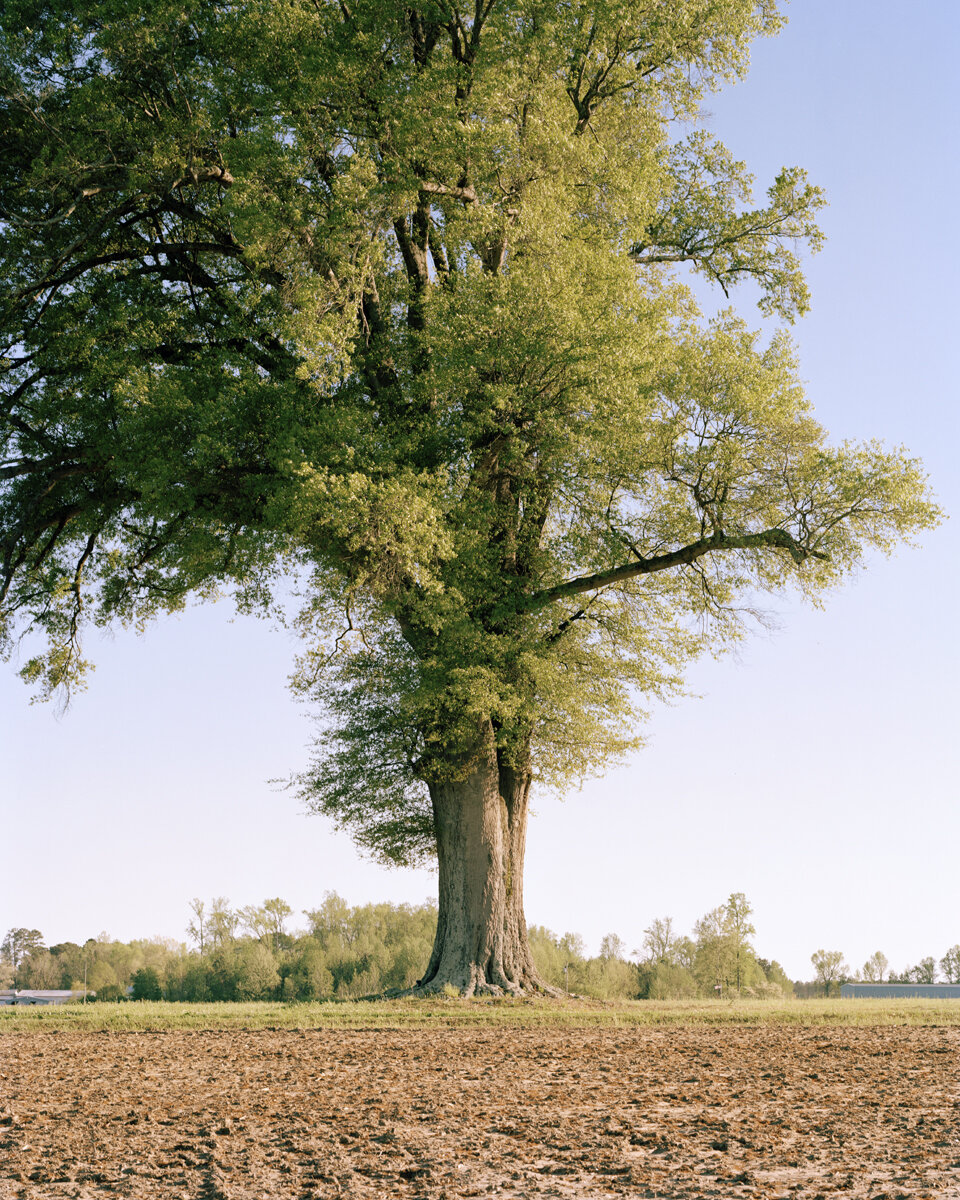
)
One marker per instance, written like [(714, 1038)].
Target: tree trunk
[(481, 826)]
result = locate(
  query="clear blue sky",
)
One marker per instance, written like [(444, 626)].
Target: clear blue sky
[(817, 772)]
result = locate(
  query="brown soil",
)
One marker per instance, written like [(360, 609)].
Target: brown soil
[(689, 1112)]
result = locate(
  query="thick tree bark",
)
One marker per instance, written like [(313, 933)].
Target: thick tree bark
[(481, 825)]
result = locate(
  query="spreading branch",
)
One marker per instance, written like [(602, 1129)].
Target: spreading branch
[(777, 539)]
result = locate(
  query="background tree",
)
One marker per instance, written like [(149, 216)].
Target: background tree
[(311, 978), (372, 947), (563, 964), (737, 912), (829, 967), (222, 923), (146, 985), (69, 956), (612, 946), (277, 912), (875, 967), (267, 921), (380, 297), (40, 970), (685, 952), (197, 928), (332, 921), (257, 975), (101, 975), (547, 954), (713, 964), (659, 942), (665, 970), (950, 965), (775, 976), (18, 944), (925, 971)]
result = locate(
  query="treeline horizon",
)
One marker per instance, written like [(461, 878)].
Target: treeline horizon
[(347, 952)]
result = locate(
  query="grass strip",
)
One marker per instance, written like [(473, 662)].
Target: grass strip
[(481, 1012)]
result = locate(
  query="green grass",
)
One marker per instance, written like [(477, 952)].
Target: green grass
[(478, 1013)]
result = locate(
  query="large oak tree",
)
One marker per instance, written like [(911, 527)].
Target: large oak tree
[(383, 298)]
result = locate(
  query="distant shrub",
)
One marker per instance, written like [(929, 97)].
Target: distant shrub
[(257, 975), (192, 983), (665, 981), (311, 978), (764, 991), (108, 993), (146, 985)]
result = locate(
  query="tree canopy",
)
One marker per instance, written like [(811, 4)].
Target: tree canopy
[(385, 299)]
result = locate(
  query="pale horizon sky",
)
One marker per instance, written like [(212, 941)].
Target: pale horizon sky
[(816, 772)]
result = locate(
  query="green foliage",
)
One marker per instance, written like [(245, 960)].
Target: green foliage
[(775, 975), (41, 970), (665, 981), (719, 962), (386, 298), (950, 965), (562, 963), (659, 941), (724, 960), (18, 944), (374, 947), (257, 975), (925, 971), (829, 967), (187, 980), (875, 967), (311, 978), (110, 993), (146, 985), (266, 921)]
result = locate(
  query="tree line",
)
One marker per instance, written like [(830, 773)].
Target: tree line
[(831, 971), (252, 953), (246, 953)]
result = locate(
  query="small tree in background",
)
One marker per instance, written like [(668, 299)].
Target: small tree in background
[(18, 944), (198, 926), (146, 985), (925, 971), (267, 920), (829, 967), (665, 970), (713, 961), (665, 981), (222, 923), (739, 929), (311, 978), (775, 976), (950, 965), (257, 974), (875, 968), (612, 946), (659, 941), (40, 970)]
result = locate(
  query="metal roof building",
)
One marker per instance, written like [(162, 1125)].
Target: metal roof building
[(900, 991), (38, 997)]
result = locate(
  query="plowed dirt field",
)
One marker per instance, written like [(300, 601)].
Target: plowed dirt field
[(299, 1115)]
